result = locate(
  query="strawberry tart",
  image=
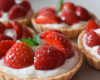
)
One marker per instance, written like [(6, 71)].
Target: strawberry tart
[(15, 10), (89, 43), (65, 17), (48, 56)]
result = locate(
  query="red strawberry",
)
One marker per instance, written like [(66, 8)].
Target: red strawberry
[(8, 26), (5, 46), (69, 17), (98, 50), (82, 13), (47, 18), (26, 4), (68, 6), (91, 25), (6, 5), (43, 10), (26, 33), (92, 39), (17, 11), (2, 28), (0, 14), (20, 55), (44, 34), (47, 58), (61, 42), (5, 37), (18, 29)]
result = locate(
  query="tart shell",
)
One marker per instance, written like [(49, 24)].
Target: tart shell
[(91, 59), (23, 21), (65, 76), (69, 32)]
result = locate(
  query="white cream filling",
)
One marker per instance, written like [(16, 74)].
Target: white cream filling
[(30, 72), (92, 49)]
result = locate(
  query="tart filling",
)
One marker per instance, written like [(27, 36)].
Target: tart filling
[(30, 72)]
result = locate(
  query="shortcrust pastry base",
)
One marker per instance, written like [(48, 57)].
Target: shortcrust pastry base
[(65, 76), (23, 21), (69, 32), (91, 59)]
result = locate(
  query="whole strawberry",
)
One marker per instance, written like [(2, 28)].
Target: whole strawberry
[(47, 58), (60, 42), (20, 55), (6, 5)]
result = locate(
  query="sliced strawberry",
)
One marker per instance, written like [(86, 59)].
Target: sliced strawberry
[(69, 17), (26, 33), (5, 37), (2, 27), (92, 39), (82, 13), (47, 58), (44, 34), (20, 55), (43, 10), (68, 6), (17, 11), (47, 18), (0, 14), (18, 29), (61, 42), (98, 50), (91, 25), (8, 26), (6, 5), (5, 46), (26, 4)]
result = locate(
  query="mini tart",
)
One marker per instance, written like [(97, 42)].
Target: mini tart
[(65, 76), (69, 32), (25, 20), (91, 59)]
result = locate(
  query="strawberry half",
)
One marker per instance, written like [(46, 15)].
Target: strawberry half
[(18, 29), (60, 42), (5, 45), (68, 6), (92, 39), (6, 5), (2, 27), (69, 17), (5, 37), (17, 11), (20, 55), (44, 34), (47, 18), (26, 5), (49, 10), (98, 50), (91, 25), (82, 13), (47, 58)]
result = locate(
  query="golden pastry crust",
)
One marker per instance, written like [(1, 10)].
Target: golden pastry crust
[(69, 32), (91, 59), (65, 76), (23, 21)]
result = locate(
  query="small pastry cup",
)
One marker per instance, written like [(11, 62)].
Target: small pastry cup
[(91, 59), (65, 76), (23, 21), (69, 32)]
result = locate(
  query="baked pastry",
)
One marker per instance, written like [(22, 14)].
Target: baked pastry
[(45, 52), (67, 19), (89, 43), (15, 10)]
